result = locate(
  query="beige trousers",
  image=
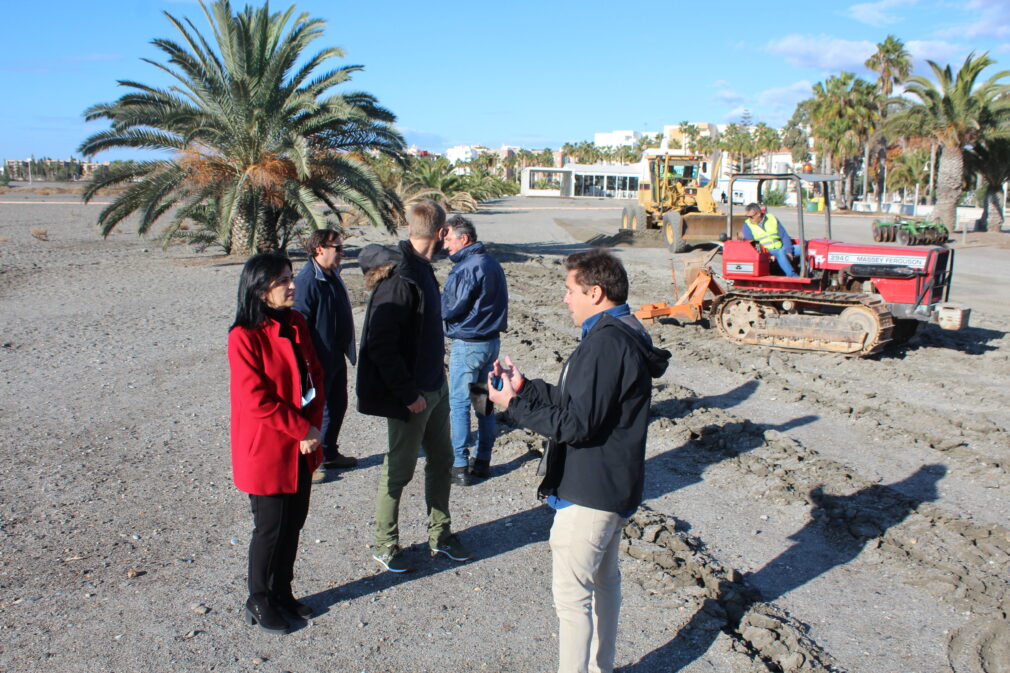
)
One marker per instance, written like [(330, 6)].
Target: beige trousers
[(587, 587)]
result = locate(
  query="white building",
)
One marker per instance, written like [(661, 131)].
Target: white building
[(458, 153), (616, 138), (577, 181)]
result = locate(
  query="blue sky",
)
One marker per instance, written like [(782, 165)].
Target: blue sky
[(534, 74)]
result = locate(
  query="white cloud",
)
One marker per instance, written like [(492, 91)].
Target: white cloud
[(822, 51), (933, 50), (735, 114), (725, 94), (991, 19), (788, 96), (878, 13)]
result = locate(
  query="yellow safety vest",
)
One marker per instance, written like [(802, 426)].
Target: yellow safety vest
[(768, 236)]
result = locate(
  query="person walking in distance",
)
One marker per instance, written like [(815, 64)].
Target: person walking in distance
[(401, 376), (475, 311), (596, 420), (321, 297)]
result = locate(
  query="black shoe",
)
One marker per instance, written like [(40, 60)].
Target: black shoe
[(293, 607), (461, 476), (262, 613), (340, 463), (481, 469)]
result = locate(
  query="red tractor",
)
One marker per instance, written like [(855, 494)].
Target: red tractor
[(848, 299)]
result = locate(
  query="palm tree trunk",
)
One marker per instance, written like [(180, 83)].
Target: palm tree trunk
[(932, 165), (881, 161), (992, 214), (866, 169), (241, 235), (266, 232), (948, 184)]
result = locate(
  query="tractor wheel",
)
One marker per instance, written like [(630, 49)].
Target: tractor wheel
[(903, 236), (673, 229), (861, 319), (626, 217), (638, 220), (876, 232)]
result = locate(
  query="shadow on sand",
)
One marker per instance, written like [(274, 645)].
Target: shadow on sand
[(839, 529)]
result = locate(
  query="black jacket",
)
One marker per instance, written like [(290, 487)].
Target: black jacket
[(390, 336), (597, 417)]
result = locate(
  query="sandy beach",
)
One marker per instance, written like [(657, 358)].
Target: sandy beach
[(803, 512)]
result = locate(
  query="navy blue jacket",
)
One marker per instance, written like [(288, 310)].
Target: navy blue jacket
[(475, 299), (323, 300)]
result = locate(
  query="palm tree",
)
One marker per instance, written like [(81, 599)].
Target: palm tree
[(908, 171), (990, 158), (957, 112), (766, 141), (253, 131), (795, 133), (843, 115), (893, 64)]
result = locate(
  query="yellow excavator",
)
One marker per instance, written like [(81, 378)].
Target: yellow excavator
[(671, 197)]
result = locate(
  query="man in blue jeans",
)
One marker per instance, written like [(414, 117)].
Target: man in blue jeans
[(475, 311)]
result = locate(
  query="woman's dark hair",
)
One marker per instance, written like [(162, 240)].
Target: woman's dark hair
[(258, 274)]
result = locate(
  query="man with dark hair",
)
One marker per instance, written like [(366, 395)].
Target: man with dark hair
[(320, 296), (475, 311), (596, 420), (401, 376), (766, 229)]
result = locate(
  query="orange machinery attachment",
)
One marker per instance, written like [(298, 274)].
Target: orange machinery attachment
[(691, 306)]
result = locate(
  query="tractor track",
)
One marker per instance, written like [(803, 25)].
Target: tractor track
[(884, 320)]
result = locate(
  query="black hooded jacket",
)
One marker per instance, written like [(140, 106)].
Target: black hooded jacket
[(596, 417), (393, 335)]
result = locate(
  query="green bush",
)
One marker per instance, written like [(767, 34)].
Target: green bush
[(774, 197)]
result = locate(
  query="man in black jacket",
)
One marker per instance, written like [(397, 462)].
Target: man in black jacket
[(596, 419), (320, 296), (401, 376)]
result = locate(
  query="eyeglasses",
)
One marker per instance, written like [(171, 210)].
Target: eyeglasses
[(338, 248)]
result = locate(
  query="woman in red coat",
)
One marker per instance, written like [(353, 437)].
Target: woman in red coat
[(276, 411)]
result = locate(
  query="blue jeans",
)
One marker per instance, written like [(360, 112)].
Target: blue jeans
[(469, 362), (780, 255)]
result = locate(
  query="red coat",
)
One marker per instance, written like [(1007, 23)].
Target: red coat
[(267, 421)]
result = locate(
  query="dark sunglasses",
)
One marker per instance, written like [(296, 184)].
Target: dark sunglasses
[(338, 248)]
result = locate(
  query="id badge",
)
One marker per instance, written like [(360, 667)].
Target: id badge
[(309, 395)]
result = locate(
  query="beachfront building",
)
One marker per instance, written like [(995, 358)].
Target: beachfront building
[(616, 138), (577, 181)]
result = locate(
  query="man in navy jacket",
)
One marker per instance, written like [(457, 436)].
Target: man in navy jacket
[(320, 296), (596, 420), (475, 310)]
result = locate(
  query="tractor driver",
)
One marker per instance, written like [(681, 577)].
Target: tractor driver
[(766, 229)]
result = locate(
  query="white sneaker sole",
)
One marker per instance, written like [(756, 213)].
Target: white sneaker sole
[(392, 570), (458, 559)]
